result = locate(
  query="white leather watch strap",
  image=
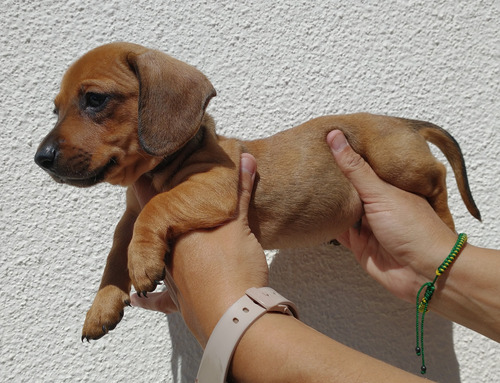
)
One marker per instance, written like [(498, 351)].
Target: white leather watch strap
[(231, 327)]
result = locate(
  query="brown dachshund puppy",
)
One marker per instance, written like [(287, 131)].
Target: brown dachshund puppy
[(125, 111)]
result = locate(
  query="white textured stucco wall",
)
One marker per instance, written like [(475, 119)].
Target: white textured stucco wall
[(274, 64)]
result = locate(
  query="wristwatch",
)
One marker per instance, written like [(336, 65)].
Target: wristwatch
[(236, 320)]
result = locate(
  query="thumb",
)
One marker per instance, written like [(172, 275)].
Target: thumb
[(248, 167), (355, 168), (157, 301)]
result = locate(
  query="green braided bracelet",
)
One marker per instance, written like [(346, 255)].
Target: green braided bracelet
[(423, 305)]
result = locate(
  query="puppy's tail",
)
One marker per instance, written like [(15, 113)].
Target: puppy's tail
[(450, 148)]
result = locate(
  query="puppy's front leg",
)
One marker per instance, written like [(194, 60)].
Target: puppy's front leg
[(113, 294), (203, 201)]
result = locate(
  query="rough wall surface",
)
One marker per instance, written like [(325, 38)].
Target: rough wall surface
[(274, 64)]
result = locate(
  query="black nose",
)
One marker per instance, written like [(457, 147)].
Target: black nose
[(45, 156)]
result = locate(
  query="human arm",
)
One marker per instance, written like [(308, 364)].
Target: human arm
[(402, 241), (279, 348)]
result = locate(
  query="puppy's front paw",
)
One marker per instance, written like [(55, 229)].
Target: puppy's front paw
[(146, 262), (105, 313)]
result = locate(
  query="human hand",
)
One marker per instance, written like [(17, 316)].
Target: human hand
[(401, 240), (211, 269)]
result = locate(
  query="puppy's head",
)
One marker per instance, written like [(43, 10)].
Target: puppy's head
[(121, 109)]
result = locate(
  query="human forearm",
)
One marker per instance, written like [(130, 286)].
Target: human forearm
[(279, 348), (469, 292)]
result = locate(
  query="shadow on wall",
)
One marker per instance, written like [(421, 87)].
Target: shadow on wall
[(336, 297)]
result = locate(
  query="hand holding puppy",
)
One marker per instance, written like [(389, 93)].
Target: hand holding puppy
[(401, 240), (211, 269)]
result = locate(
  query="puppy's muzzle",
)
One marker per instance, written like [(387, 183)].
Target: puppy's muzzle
[(70, 166)]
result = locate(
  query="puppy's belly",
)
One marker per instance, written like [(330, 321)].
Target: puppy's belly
[(292, 227), (301, 197), (304, 205)]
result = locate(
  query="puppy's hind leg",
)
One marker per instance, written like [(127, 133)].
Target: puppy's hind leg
[(437, 194)]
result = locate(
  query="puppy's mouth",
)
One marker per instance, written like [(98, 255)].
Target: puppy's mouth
[(86, 179)]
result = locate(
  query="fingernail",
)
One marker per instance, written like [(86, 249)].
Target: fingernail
[(247, 165), (338, 143)]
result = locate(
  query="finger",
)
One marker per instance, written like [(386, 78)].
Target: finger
[(161, 302), (355, 168), (248, 167)]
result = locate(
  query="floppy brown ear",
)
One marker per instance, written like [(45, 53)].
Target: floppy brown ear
[(173, 97)]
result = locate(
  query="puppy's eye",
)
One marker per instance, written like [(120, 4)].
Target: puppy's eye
[(95, 101)]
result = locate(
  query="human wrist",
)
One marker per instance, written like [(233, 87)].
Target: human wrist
[(202, 312), (215, 313), (431, 252), (219, 350), (467, 295), (269, 339), (426, 292)]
